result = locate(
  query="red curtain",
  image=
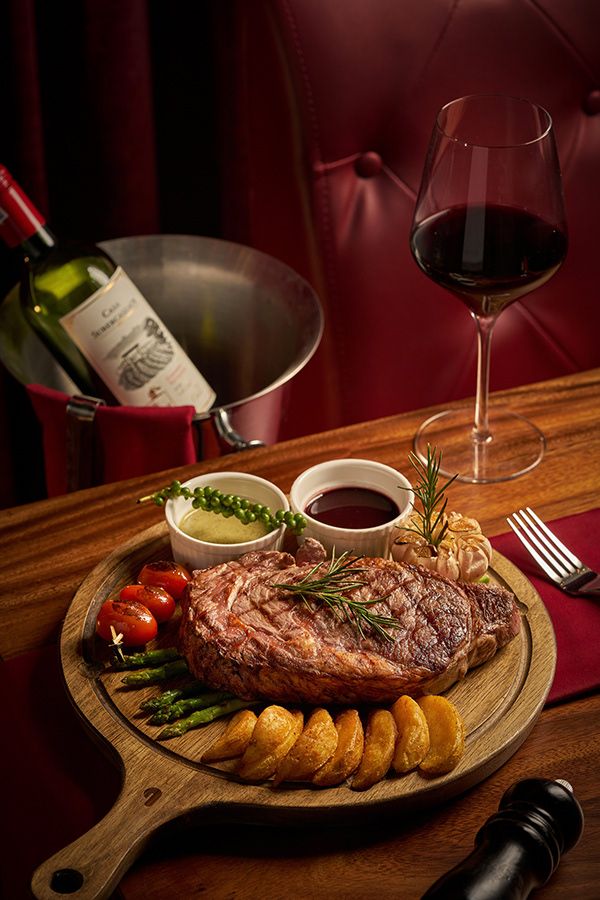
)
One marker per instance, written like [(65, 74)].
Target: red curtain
[(108, 123)]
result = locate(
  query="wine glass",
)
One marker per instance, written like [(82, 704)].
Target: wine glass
[(489, 225)]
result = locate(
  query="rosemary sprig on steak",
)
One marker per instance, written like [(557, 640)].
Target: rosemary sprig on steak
[(213, 500), (430, 522), (332, 589)]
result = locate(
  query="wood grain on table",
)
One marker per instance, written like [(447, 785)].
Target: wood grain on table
[(47, 549), (53, 544)]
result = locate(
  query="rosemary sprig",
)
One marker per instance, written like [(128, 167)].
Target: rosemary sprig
[(332, 589), (431, 525), (213, 500)]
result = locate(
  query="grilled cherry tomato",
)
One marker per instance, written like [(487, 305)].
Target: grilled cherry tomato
[(130, 618), (156, 599), (166, 574)]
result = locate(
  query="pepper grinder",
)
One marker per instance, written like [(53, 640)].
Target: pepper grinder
[(519, 847)]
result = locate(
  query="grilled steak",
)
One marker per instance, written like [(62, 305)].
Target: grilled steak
[(241, 632)]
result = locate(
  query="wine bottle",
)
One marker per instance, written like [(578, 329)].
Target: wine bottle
[(93, 319)]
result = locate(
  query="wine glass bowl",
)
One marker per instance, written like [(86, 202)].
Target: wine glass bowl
[(489, 226)]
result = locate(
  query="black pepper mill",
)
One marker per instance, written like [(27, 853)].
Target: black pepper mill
[(519, 847)]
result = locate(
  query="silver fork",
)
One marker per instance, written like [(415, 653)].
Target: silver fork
[(557, 561)]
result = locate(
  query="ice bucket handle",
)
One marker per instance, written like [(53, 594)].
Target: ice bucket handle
[(81, 459), (227, 433)]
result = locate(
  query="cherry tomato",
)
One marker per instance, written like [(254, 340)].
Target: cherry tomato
[(131, 619), (166, 574), (156, 599)]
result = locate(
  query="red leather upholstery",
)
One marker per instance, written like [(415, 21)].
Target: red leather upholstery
[(329, 106)]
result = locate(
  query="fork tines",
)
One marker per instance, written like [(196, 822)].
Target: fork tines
[(549, 552)]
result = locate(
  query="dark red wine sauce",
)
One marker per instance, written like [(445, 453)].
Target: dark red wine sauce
[(488, 255), (352, 507)]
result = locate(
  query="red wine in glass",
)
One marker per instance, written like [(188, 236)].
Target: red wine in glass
[(489, 227), (520, 252)]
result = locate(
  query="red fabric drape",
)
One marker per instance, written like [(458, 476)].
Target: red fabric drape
[(108, 124), (82, 137), (108, 114)]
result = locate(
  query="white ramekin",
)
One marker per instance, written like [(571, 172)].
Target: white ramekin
[(363, 473), (197, 554)]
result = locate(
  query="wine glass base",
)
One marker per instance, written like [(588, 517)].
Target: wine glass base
[(516, 446)]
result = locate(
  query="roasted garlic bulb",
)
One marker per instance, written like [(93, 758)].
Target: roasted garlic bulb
[(463, 554)]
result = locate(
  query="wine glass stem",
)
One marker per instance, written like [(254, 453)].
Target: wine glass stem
[(485, 327)]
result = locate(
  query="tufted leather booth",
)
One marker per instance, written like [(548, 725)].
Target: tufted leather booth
[(327, 111)]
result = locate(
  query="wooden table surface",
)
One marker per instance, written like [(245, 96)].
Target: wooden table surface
[(46, 550)]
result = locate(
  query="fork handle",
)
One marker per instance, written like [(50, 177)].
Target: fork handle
[(590, 588)]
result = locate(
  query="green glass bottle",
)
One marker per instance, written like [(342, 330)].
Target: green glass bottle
[(93, 319)]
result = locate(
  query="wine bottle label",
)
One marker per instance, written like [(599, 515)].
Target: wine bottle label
[(133, 352)]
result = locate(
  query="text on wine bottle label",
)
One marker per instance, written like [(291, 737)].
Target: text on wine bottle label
[(133, 351)]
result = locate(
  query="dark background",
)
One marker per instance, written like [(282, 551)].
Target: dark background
[(108, 123)]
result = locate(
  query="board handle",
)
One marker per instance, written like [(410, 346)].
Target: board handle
[(91, 867)]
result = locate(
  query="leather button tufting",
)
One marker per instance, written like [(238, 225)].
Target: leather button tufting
[(368, 164), (591, 103)]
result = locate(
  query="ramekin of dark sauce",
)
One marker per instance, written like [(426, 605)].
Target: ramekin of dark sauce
[(352, 507), (352, 504)]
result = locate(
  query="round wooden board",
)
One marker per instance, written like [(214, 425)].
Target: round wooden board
[(499, 702)]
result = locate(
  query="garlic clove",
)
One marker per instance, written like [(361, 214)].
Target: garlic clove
[(464, 553), (460, 524)]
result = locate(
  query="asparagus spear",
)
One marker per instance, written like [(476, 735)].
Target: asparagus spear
[(184, 707), (166, 698), (160, 673), (203, 716), (147, 658)]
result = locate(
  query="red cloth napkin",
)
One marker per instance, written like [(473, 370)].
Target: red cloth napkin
[(576, 620), (143, 439), (128, 440), (50, 408)]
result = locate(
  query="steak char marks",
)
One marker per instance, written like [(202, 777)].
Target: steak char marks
[(242, 633)]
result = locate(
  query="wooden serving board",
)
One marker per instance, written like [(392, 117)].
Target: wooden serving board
[(499, 702)]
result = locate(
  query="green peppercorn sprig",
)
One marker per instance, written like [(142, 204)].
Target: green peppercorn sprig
[(213, 500)]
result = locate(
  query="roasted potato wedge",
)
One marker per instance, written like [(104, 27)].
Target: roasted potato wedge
[(412, 743), (313, 748), (446, 735), (275, 733), (380, 742), (347, 754), (235, 738)]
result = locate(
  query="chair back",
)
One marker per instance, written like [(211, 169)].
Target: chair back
[(327, 111)]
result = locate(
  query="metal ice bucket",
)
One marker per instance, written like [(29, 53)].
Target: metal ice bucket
[(248, 322)]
